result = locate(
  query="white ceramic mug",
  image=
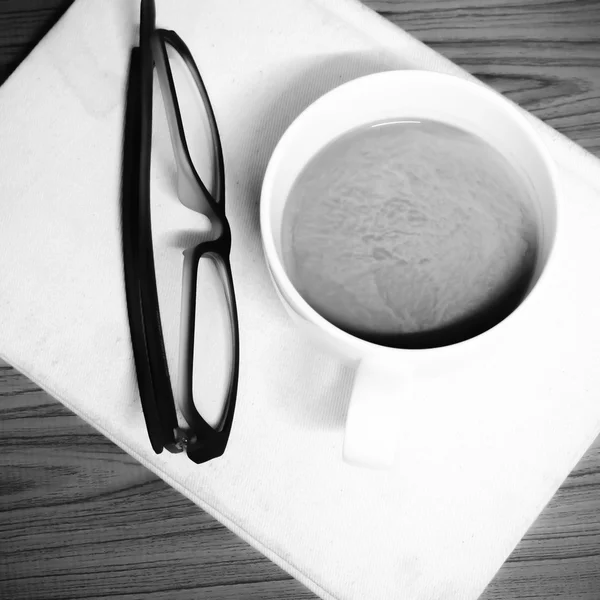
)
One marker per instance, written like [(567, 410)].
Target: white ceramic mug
[(384, 375)]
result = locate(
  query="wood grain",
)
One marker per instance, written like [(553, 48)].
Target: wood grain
[(544, 54), (81, 519)]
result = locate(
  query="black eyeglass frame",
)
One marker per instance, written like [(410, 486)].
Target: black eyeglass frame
[(201, 441)]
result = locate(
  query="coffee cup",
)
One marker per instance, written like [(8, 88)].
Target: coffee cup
[(384, 375)]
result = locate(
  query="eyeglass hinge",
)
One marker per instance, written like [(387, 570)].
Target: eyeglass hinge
[(182, 439)]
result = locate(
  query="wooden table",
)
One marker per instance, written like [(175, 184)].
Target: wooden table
[(81, 519)]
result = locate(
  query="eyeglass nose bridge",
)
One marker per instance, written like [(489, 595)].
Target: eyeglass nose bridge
[(193, 194)]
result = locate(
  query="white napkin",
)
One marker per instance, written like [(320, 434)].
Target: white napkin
[(482, 447)]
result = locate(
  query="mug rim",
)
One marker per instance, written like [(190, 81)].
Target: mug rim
[(278, 273)]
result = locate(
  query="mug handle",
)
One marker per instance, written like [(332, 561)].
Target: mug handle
[(371, 434)]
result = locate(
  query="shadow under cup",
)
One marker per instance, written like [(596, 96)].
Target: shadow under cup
[(412, 95)]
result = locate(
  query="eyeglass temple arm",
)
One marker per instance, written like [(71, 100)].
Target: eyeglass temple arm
[(160, 415)]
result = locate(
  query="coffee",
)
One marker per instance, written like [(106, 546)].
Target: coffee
[(411, 234)]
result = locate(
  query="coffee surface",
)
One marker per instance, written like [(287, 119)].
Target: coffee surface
[(410, 234)]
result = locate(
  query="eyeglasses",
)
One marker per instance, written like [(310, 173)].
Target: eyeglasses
[(197, 437)]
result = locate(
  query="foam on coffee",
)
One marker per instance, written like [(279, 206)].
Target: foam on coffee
[(412, 233)]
